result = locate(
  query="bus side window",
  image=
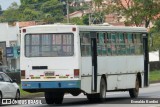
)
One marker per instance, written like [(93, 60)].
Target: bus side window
[(129, 39), (132, 45), (113, 44), (85, 44), (101, 49), (134, 38), (108, 43), (138, 48), (121, 46)]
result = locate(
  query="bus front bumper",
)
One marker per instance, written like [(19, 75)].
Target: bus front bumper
[(50, 84)]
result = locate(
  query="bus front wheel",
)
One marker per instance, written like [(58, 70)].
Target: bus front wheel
[(99, 96), (103, 88), (135, 91)]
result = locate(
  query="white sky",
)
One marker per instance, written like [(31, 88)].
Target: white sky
[(6, 3)]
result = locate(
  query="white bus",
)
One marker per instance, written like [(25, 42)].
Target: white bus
[(59, 59)]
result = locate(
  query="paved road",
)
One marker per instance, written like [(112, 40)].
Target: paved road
[(114, 99)]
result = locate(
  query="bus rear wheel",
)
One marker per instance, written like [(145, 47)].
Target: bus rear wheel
[(49, 97), (58, 97), (54, 97), (135, 91)]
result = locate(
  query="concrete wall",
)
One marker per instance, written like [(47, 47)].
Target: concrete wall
[(8, 33)]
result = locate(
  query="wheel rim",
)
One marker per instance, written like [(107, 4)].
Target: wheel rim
[(103, 90), (137, 86), (17, 95)]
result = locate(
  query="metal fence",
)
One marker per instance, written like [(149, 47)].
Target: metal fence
[(14, 75), (154, 65)]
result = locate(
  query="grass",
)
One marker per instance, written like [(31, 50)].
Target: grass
[(154, 76), (25, 94)]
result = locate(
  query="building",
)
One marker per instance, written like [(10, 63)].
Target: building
[(9, 44)]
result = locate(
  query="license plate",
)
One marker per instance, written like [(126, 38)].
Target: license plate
[(49, 73)]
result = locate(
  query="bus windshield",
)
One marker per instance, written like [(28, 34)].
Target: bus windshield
[(49, 45)]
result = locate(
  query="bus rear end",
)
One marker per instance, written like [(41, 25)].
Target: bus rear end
[(49, 59)]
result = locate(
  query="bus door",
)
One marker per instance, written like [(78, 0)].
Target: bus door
[(146, 59), (94, 61)]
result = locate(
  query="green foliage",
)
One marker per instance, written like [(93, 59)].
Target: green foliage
[(136, 12), (98, 2), (97, 18), (11, 14), (76, 20), (54, 8), (78, 8), (49, 11), (0, 8), (155, 34), (85, 19), (29, 14)]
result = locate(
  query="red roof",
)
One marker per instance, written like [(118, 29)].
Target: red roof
[(25, 24)]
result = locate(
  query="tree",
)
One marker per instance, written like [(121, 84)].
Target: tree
[(85, 19), (0, 10), (98, 3), (97, 18), (29, 14), (76, 20), (54, 8), (155, 34), (12, 13), (138, 12), (49, 11)]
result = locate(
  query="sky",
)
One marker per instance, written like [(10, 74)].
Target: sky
[(6, 3)]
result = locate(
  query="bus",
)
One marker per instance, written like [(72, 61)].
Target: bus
[(58, 59)]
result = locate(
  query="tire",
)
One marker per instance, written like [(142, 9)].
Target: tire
[(103, 88), (92, 97), (135, 91), (49, 97), (1, 98), (17, 95), (99, 96), (58, 97)]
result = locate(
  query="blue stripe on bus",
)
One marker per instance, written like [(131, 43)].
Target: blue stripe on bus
[(50, 84)]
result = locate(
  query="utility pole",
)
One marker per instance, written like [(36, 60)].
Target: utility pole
[(67, 6), (90, 13)]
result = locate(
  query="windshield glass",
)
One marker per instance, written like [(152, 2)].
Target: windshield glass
[(49, 45)]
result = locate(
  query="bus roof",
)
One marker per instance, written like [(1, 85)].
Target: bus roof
[(113, 28), (93, 28)]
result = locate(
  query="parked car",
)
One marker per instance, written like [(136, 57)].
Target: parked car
[(8, 87)]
